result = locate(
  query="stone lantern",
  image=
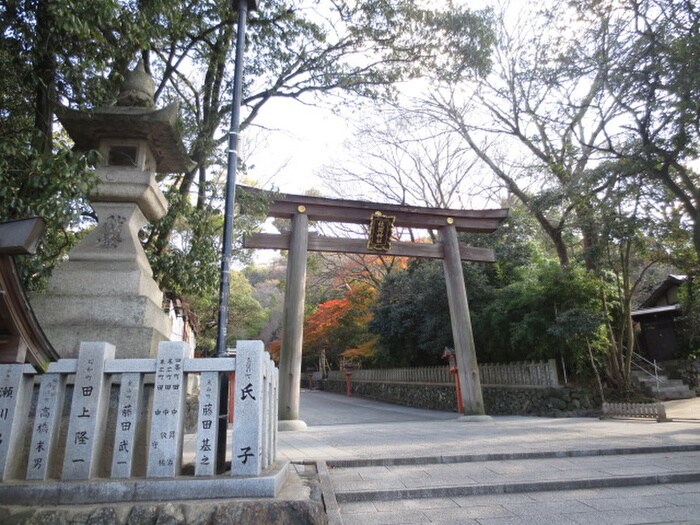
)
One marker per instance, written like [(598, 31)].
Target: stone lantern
[(105, 291)]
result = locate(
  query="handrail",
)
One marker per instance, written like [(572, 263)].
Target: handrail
[(650, 364)]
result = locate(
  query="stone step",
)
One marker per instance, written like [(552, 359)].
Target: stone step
[(553, 471), (679, 393), (646, 380), (666, 390)]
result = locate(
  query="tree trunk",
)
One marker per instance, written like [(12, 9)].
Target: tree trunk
[(45, 75), (696, 233)]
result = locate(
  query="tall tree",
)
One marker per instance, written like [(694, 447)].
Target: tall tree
[(655, 79), (75, 53), (539, 120)]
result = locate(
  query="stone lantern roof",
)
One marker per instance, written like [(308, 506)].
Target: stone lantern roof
[(134, 116)]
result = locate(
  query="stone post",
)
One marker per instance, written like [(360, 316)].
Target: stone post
[(88, 413)]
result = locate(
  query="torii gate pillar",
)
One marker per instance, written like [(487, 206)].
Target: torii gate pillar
[(462, 334), (292, 337)]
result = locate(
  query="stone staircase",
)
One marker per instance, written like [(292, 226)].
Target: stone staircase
[(665, 389), (507, 487)]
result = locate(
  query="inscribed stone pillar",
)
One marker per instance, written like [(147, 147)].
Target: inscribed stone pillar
[(247, 445), (88, 413), (128, 410), (461, 324), (293, 327), (15, 396), (44, 438), (168, 418)]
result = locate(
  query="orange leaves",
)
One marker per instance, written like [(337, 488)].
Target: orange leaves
[(363, 351), (339, 325)]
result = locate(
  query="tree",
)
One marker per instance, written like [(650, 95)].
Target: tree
[(39, 174), (654, 79), (523, 320), (539, 120), (410, 317), (76, 53), (339, 325), (399, 158)]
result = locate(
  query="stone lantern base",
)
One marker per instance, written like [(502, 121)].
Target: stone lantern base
[(105, 291)]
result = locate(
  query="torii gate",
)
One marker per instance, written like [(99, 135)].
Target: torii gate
[(381, 218)]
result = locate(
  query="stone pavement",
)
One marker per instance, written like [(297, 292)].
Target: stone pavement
[(386, 464)]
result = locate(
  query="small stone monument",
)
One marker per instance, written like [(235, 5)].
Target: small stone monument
[(105, 291)]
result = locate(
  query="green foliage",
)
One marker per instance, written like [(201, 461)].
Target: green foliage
[(77, 51), (50, 186), (532, 317), (689, 296), (411, 316)]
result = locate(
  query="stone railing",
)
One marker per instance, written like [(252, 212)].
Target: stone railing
[(112, 436), (535, 374)]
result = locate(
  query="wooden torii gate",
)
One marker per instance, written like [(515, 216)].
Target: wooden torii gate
[(381, 218)]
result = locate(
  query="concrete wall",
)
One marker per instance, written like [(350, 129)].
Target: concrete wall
[(548, 402)]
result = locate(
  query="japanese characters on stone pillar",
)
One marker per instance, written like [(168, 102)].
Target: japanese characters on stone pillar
[(168, 418), (15, 395), (246, 458), (128, 409), (88, 415), (205, 461), (42, 450)]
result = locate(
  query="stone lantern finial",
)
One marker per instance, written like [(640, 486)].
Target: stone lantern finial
[(138, 88)]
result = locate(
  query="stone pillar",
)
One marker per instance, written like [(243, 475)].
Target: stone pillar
[(461, 325), (167, 425), (293, 327), (88, 413)]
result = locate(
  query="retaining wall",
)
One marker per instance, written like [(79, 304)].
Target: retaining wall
[(501, 400)]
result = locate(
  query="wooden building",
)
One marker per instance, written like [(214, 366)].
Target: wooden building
[(658, 321), (21, 337)]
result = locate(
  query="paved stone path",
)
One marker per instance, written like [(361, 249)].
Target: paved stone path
[(387, 464)]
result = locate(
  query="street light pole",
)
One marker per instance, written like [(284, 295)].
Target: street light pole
[(243, 7)]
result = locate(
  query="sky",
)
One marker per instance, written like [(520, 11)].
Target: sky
[(291, 142)]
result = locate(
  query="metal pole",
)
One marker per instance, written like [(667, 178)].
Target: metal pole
[(231, 181), (222, 422)]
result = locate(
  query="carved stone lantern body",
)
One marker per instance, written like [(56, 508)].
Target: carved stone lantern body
[(106, 291)]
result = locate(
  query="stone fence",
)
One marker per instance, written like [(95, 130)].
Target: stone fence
[(532, 374), (79, 432)]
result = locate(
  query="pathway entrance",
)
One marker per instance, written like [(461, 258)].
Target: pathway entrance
[(400, 465)]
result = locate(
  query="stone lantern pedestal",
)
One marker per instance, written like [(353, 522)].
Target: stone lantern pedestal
[(105, 291)]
